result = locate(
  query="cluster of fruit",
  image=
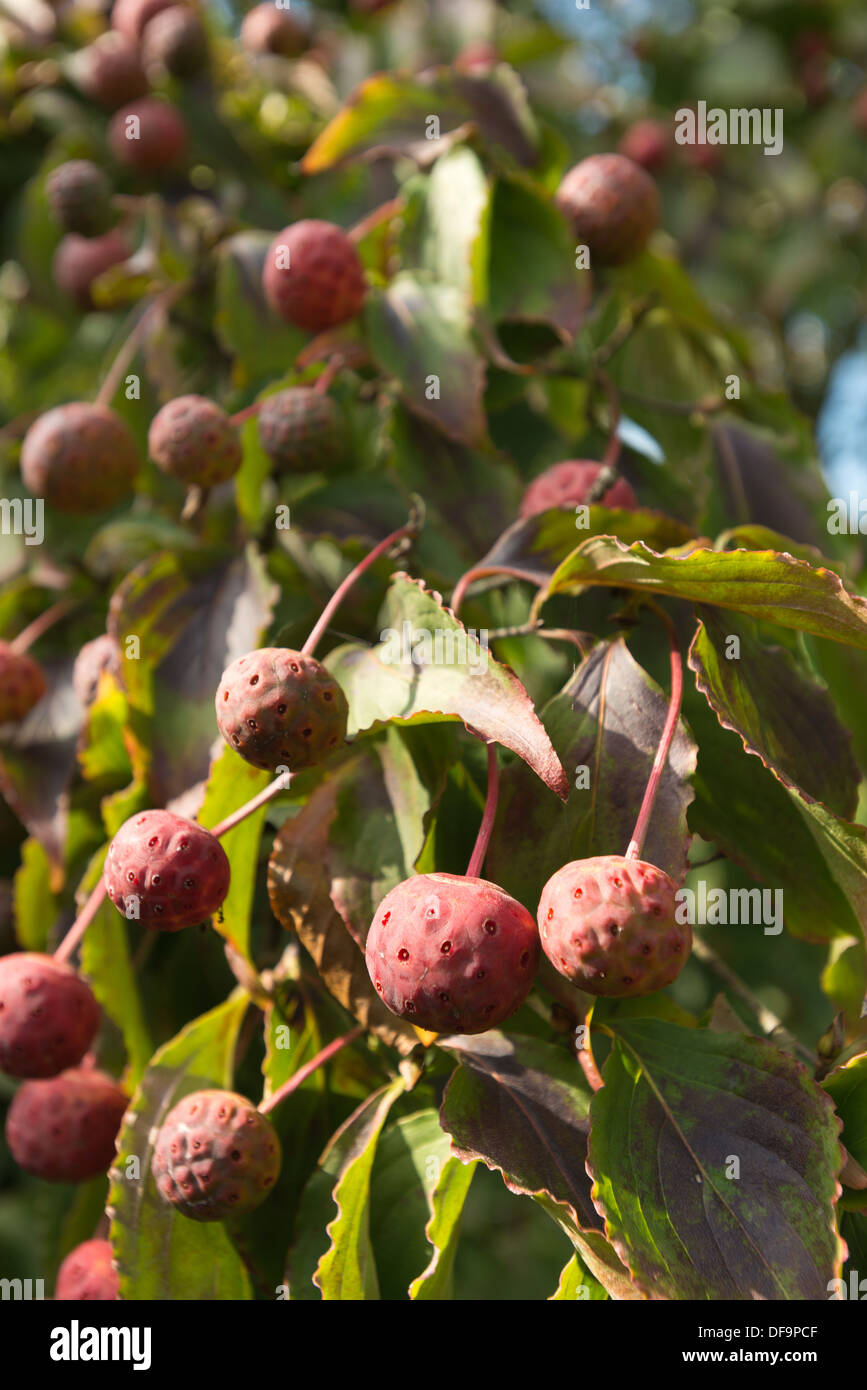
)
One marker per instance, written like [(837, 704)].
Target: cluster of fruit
[(446, 952)]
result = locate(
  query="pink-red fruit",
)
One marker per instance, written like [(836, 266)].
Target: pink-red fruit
[(48, 1015), (79, 260), (193, 439), (612, 205), (87, 1275), (568, 484), (313, 276), (110, 72), (608, 924), (301, 430), (280, 708), (78, 195), (175, 39), (64, 1129), (647, 143), (148, 136), (215, 1156), (269, 30), (80, 458), (452, 954), (130, 17), (22, 684), (165, 871)]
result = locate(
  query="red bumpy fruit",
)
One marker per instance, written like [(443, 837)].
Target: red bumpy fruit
[(22, 684), (313, 276), (278, 707), (193, 439), (612, 205), (81, 458), (110, 72), (64, 1129), (608, 924), (301, 430), (78, 195), (157, 142), (79, 260), (569, 483), (165, 871), (215, 1155), (87, 1275), (452, 954), (176, 40), (269, 30), (48, 1015)]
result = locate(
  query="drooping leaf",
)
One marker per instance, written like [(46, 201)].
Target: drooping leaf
[(428, 667), (577, 1284), (521, 1106), (607, 720), (457, 216), (714, 1160), (34, 906), (762, 584), (160, 1254), (443, 1230)]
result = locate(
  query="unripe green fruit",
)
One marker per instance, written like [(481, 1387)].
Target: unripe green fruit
[(80, 458), (302, 430), (79, 197)]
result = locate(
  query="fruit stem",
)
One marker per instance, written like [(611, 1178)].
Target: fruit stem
[(300, 1076), (342, 589), (482, 572), (241, 416), (130, 346), (73, 937), (636, 844), (261, 798), (480, 849), (33, 631)]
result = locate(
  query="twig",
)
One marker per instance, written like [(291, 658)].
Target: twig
[(636, 844), (299, 1077), (480, 849)]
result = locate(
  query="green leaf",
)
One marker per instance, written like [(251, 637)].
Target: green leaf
[(160, 1254), (533, 276), (456, 223), (34, 906), (447, 1206), (605, 724), (262, 344), (576, 1282), (447, 675), (106, 964), (763, 584), (522, 1106), (847, 1086), (782, 717), (676, 1110), (232, 783), (347, 1269), (420, 333)]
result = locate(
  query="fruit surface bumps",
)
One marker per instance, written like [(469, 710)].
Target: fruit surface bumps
[(313, 276), (612, 205), (193, 439), (569, 484), (80, 458), (301, 430), (79, 260), (215, 1155), (277, 707), (78, 195), (87, 1275), (608, 924), (165, 871), (22, 684), (269, 30), (64, 1129), (452, 954), (156, 143), (48, 1015)]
